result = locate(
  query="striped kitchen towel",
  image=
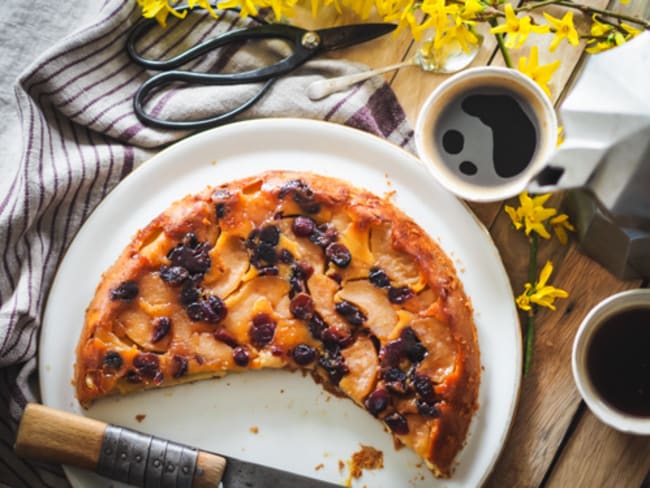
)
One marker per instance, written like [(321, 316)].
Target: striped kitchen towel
[(80, 137)]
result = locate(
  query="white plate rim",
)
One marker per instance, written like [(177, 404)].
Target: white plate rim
[(319, 129)]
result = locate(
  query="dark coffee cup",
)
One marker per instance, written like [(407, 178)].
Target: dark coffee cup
[(611, 361), (485, 132)]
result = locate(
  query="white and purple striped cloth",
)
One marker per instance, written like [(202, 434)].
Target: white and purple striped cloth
[(80, 137)]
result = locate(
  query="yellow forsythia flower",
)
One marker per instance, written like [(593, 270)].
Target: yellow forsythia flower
[(516, 28), (560, 225), (540, 293), (539, 74), (564, 28), (531, 214), (159, 9)]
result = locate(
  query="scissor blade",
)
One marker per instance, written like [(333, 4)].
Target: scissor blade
[(349, 35), (242, 474)]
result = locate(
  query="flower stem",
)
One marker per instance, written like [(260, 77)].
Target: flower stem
[(530, 323), (532, 6), (530, 332), (592, 10), (532, 261), (502, 46)]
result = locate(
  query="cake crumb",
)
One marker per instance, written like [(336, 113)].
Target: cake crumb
[(341, 465), (254, 429), (389, 195), (140, 417), (319, 467), (366, 458)]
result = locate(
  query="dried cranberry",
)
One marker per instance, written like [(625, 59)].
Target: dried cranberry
[(270, 235), (334, 366), (252, 238), (424, 387), (338, 254), (413, 348), (195, 311), (397, 423), (193, 257), (113, 360), (303, 226), (147, 364), (266, 252), (240, 356), (302, 270), (304, 354), (390, 375), (189, 294), (395, 380), (133, 377), (190, 240), (223, 336), (302, 306), (180, 366), (126, 291), (302, 195), (262, 330), (400, 294), (334, 340), (316, 326), (174, 275), (350, 312), (379, 278), (427, 409), (377, 401), (162, 326), (324, 235), (392, 353), (220, 210), (214, 309)]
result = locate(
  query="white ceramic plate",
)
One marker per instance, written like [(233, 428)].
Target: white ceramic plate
[(299, 426)]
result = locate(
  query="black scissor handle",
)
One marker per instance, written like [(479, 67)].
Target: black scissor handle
[(304, 45), (198, 124), (295, 35)]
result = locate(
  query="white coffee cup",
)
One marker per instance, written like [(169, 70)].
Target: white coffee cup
[(472, 173), (598, 316)]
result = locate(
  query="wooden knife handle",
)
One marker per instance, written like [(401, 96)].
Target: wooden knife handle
[(61, 437)]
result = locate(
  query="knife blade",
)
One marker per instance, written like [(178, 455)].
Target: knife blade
[(139, 459)]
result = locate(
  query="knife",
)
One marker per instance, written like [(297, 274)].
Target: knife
[(143, 460)]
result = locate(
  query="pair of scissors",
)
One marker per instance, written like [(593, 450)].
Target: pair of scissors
[(304, 45)]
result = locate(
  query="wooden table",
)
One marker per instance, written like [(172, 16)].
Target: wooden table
[(555, 441)]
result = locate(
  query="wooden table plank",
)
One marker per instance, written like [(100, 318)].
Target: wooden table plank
[(549, 398), (597, 455)]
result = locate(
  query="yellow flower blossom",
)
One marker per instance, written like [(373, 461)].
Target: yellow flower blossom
[(564, 28), (539, 74), (203, 4), (540, 293), (470, 9), (516, 28), (531, 214), (560, 225), (160, 10)]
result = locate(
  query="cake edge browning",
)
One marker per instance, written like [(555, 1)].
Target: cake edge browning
[(462, 385)]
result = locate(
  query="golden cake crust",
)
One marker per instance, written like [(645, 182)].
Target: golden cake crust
[(299, 271)]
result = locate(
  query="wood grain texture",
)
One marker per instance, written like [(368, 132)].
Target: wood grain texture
[(597, 455), (209, 470), (549, 398), (59, 437)]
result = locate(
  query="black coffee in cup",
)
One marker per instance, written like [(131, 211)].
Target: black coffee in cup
[(486, 132), (618, 361)]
